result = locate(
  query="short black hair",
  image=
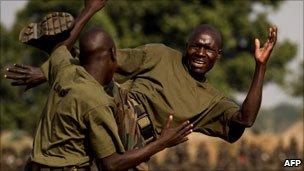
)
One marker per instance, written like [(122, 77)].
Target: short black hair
[(92, 40), (206, 28)]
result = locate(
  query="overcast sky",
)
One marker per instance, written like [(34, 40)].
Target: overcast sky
[(288, 19)]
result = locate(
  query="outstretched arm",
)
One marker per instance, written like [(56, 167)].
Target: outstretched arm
[(251, 104), (169, 137), (25, 75)]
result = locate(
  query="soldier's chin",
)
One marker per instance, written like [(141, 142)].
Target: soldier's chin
[(198, 71)]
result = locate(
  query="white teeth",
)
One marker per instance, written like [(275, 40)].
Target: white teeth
[(199, 61)]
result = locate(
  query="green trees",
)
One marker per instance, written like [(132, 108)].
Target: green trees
[(133, 23), (296, 87)]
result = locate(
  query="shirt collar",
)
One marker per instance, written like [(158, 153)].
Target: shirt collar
[(111, 89)]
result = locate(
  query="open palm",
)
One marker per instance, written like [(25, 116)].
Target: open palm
[(262, 53)]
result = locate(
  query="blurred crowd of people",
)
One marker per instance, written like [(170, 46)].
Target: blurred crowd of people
[(12, 160), (247, 157)]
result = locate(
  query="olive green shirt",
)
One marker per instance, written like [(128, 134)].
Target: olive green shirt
[(161, 83), (77, 122)]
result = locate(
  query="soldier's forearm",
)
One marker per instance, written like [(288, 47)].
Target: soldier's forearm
[(130, 158), (252, 103)]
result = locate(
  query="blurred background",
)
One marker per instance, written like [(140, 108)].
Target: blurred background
[(278, 131)]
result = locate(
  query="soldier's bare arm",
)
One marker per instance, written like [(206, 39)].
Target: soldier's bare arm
[(169, 137), (251, 104), (91, 7)]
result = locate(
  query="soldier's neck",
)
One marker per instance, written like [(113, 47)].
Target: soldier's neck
[(99, 76)]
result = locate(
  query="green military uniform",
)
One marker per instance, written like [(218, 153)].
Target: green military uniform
[(77, 122), (159, 81)]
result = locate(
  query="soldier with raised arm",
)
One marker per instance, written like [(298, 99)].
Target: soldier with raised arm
[(165, 81), (78, 122)]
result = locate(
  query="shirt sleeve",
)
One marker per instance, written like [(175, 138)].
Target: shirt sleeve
[(102, 132), (59, 59), (132, 62), (129, 62), (45, 69), (219, 117)]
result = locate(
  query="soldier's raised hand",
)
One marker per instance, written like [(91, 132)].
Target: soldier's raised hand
[(172, 136), (262, 53), (25, 75)]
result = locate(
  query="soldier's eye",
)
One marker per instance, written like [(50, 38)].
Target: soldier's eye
[(194, 46), (210, 50)]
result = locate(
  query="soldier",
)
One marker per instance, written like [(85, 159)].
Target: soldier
[(77, 124), (164, 81)]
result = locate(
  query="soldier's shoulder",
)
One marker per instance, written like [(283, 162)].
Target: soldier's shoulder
[(91, 90)]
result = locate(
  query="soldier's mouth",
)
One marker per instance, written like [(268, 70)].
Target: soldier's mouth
[(199, 62)]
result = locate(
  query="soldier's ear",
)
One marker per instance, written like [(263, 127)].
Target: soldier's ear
[(220, 51), (219, 54), (186, 48)]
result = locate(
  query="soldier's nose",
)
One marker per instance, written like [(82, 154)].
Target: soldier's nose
[(202, 52)]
